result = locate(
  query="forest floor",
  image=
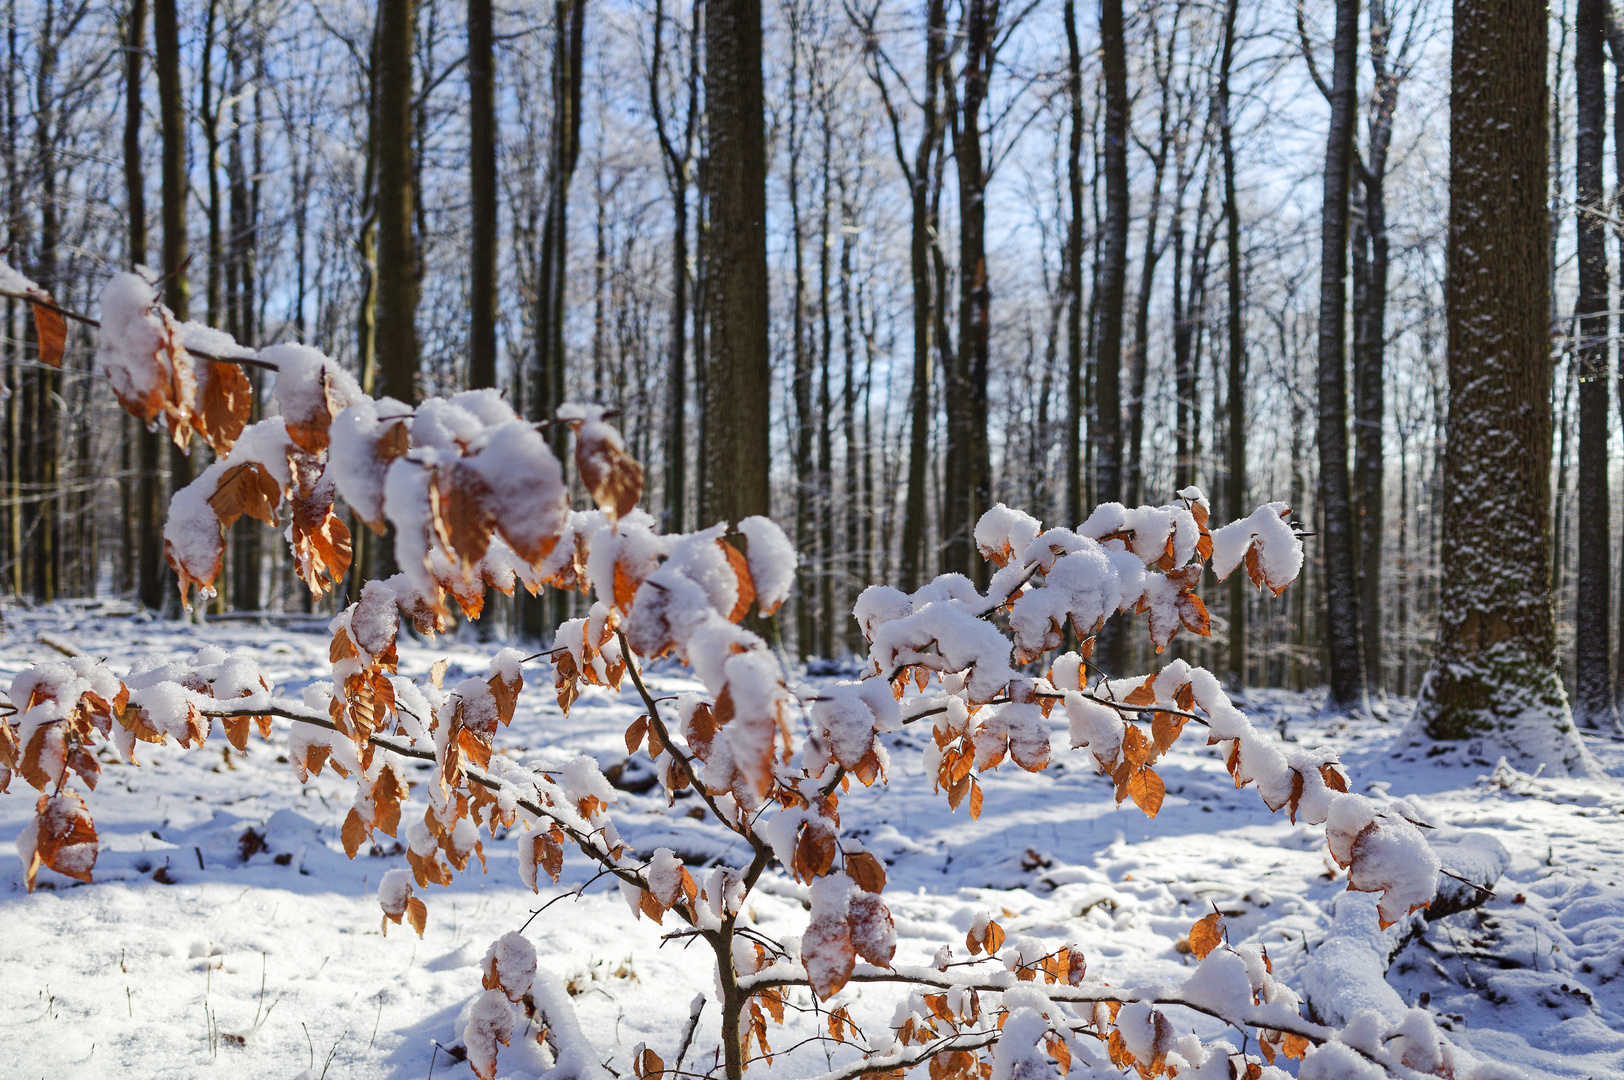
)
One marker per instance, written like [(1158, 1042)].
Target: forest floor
[(185, 958)]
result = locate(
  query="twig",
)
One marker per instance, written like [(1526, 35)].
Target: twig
[(694, 1009), (246, 361)]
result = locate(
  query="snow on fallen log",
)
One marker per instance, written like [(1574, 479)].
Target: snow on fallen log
[(1347, 973)]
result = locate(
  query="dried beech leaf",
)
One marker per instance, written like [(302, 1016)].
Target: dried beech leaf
[(1206, 935), (225, 399), (747, 588), (611, 475), (1147, 791), (52, 330), (246, 489)]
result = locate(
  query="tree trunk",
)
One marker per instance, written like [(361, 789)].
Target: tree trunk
[(149, 556), (967, 481), (1615, 44), (1235, 488), (1369, 347), (482, 249), (1495, 675), (738, 379), (1138, 362), (823, 490), (1111, 287), (397, 341), (806, 488), (172, 121), (1074, 275), (922, 229), (1347, 674), (678, 168), (1593, 701)]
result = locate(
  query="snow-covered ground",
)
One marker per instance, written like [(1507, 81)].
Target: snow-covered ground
[(226, 930)]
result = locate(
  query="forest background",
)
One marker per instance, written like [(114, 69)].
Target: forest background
[(977, 290)]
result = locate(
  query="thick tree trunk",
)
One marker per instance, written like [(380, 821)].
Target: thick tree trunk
[(482, 250), (1593, 701), (1347, 674), (1495, 676), (738, 379), (397, 341)]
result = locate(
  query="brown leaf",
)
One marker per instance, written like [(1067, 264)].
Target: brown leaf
[(1206, 935), (747, 588), (1165, 729), (354, 833), (866, 870), (322, 547), (463, 518), (225, 399), (417, 913), (1147, 790), (635, 733), (1143, 694), (308, 427), (64, 840), (648, 1064), (611, 475), (246, 489), (52, 331), (1136, 749)]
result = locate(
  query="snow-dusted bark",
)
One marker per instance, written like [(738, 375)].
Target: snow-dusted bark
[(1495, 677)]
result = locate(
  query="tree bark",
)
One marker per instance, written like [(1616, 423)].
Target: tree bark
[(1110, 289), (397, 341), (1495, 676), (1593, 701), (738, 379), (1370, 343), (1346, 661), (1075, 403), (678, 171), (967, 481), (807, 572), (922, 229), (172, 122), (1235, 485), (482, 241), (149, 556)]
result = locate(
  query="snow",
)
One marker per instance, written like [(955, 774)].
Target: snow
[(772, 561), (353, 461), (130, 962), (128, 347)]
